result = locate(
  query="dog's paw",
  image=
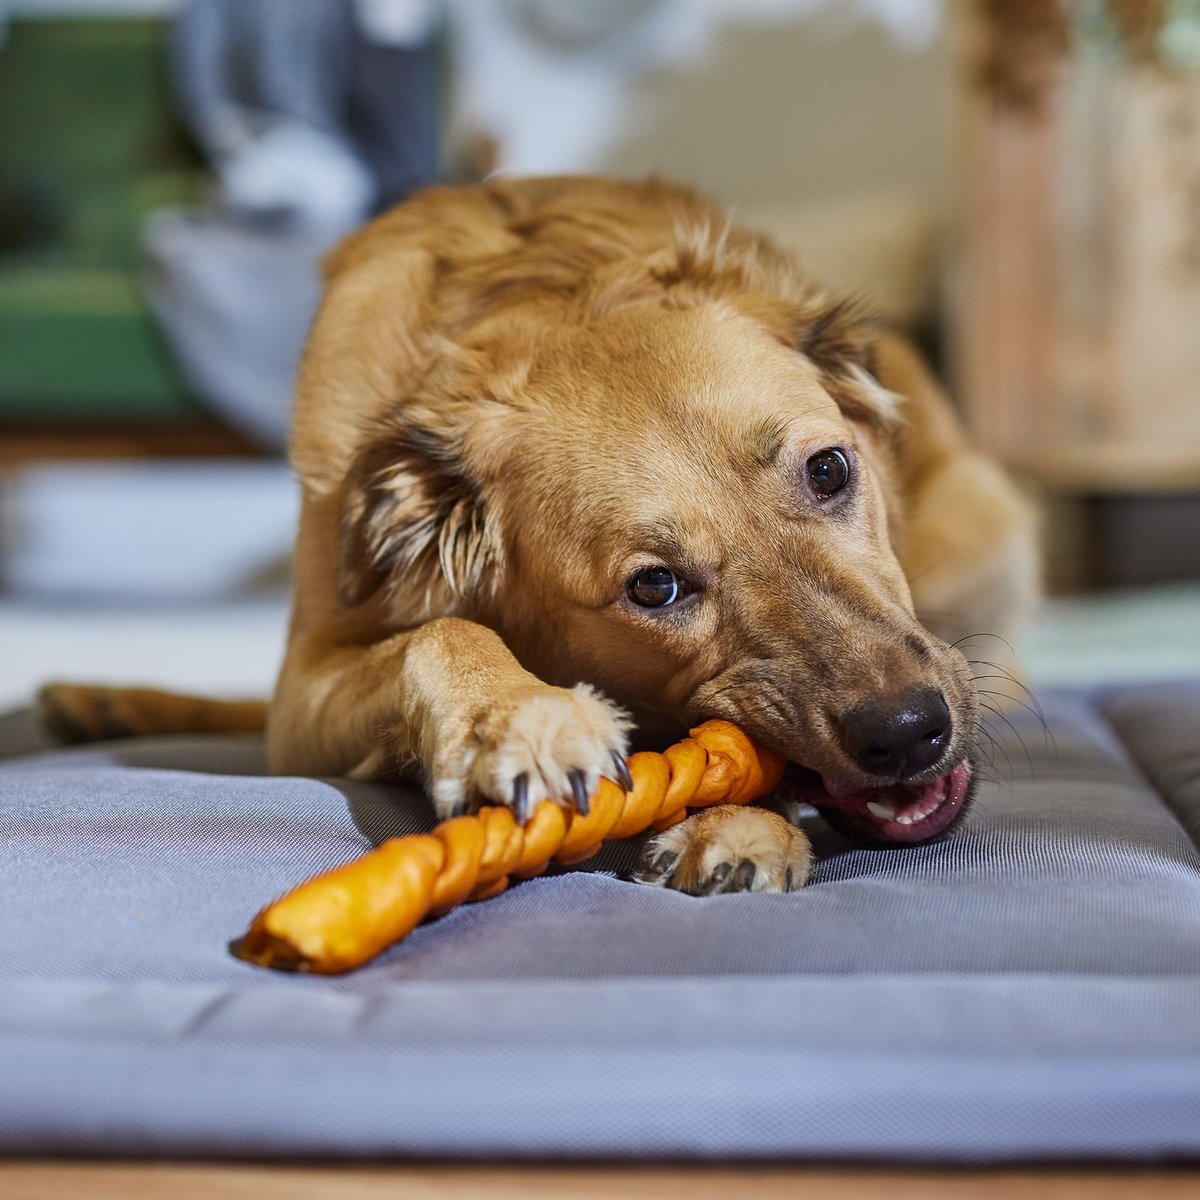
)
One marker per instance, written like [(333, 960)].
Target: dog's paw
[(82, 713), (537, 743), (727, 849)]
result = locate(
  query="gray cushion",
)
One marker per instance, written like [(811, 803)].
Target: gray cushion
[(1029, 987)]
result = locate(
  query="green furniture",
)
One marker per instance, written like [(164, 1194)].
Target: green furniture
[(88, 147)]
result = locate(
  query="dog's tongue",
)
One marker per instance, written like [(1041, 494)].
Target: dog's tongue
[(902, 813)]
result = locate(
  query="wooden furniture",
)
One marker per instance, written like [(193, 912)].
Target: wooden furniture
[(23, 444), (1079, 304)]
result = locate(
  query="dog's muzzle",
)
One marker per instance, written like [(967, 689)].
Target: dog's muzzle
[(898, 814)]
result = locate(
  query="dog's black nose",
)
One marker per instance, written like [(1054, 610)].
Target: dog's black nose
[(897, 736)]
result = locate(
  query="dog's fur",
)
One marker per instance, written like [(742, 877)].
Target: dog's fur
[(518, 394)]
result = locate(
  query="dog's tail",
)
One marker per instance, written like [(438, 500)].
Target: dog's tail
[(80, 712)]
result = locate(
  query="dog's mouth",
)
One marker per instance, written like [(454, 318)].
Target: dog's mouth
[(896, 814)]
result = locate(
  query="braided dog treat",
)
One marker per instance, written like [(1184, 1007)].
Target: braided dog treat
[(338, 920)]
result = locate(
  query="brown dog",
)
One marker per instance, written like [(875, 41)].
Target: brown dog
[(581, 464)]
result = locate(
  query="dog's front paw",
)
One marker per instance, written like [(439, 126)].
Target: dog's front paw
[(537, 743), (727, 849)]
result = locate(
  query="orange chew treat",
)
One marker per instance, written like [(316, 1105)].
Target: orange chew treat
[(341, 919)]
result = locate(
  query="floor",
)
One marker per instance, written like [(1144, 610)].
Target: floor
[(1138, 635), (233, 648), (230, 1181), (222, 649)]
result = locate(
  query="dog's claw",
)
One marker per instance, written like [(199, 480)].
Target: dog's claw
[(521, 797), (743, 877), (579, 791), (651, 870), (622, 769), (718, 881)]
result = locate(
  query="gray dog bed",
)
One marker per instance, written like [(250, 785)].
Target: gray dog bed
[(1027, 988)]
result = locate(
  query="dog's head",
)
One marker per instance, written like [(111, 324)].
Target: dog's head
[(688, 498)]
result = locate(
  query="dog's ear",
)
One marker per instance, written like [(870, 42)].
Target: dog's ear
[(412, 521), (840, 342)]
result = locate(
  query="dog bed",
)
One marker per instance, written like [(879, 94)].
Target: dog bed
[(1028, 988)]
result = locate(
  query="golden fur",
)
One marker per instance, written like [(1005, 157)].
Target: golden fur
[(516, 395)]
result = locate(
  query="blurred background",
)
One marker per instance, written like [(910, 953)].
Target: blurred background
[(1014, 182)]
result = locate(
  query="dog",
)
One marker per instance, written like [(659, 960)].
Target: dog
[(584, 464)]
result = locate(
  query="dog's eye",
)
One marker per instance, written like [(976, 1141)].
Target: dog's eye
[(655, 587), (828, 473)]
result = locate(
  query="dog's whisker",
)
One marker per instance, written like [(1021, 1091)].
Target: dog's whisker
[(998, 745), (1005, 673), (995, 636), (1008, 761), (1048, 741), (989, 749), (1028, 757), (1004, 698)]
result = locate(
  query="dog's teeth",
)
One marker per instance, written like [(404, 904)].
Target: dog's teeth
[(885, 812), (905, 819), (928, 808)]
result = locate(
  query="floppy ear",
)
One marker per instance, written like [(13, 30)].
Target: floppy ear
[(840, 342), (414, 522)]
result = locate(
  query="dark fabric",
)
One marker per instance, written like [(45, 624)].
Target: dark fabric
[(235, 286), (1027, 988), (239, 65), (251, 60)]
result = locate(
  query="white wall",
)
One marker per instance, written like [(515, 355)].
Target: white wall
[(797, 112)]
